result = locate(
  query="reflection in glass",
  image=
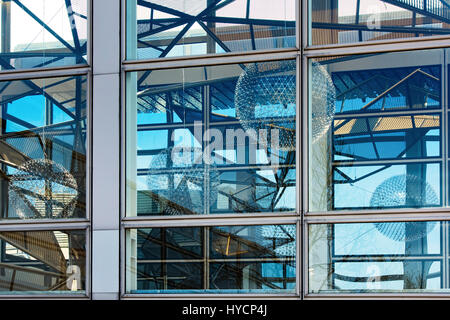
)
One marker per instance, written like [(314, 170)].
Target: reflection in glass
[(382, 147), (42, 261), (218, 139), (157, 28), (376, 257), (349, 21), (231, 259), (43, 148), (38, 33)]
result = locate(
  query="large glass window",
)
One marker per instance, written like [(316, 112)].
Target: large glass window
[(217, 139), (43, 148), (376, 131), (228, 259), (160, 28), (43, 262), (350, 21), (39, 33), (378, 257)]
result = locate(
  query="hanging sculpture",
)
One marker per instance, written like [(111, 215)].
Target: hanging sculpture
[(265, 99), (393, 192), (42, 188), (323, 97), (182, 191)]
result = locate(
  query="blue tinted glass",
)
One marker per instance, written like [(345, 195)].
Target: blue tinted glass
[(238, 259), (38, 33), (216, 139), (376, 257), (376, 131), (43, 262), (349, 21), (43, 141), (157, 28)]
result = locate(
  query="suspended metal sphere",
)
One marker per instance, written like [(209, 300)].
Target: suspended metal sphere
[(392, 192), (183, 190), (265, 98), (43, 188), (323, 97)]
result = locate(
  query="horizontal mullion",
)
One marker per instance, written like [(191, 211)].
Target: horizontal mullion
[(377, 47), (29, 74), (44, 224), (384, 215), (384, 162), (210, 60), (386, 258), (230, 260), (408, 112), (212, 220), (141, 172)]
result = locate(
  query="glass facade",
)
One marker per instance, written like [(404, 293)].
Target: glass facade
[(217, 139), (157, 29), (378, 257), (377, 143), (55, 34), (290, 149), (350, 21), (34, 262), (45, 149), (226, 259)]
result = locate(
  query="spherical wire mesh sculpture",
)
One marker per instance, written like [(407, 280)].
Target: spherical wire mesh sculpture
[(42, 188), (392, 192), (323, 97), (265, 98), (178, 178)]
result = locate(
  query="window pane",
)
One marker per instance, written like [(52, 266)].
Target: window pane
[(43, 148), (34, 262), (376, 131), (217, 139), (159, 28), (348, 21), (38, 33), (376, 257), (231, 259)]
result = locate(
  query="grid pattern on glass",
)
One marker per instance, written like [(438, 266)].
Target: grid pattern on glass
[(378, 257), (378, 143), (38, 33), (43, 148), (157, 28), (229, 259), (351, 21), (51, 262), (197, 144)]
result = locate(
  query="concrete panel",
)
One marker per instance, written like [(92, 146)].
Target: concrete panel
[(106, 152), (106, 36), (105, 264)]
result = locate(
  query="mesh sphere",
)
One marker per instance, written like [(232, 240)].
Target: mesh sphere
[(42, 187), (392, 192), (265, 98), (178, 177), (323, 97)]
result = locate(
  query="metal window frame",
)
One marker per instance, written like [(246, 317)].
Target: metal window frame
[(125, 61), (212, 219), (78, 226), (306, 36), (65, 67), (193, 222), (303, 216), (364, 296), (82, 224)]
